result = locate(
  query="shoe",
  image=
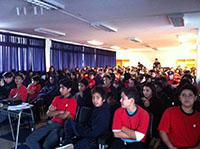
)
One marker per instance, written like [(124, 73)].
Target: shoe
[(68, 146)]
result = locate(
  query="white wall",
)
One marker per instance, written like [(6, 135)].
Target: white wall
[(167, 57)]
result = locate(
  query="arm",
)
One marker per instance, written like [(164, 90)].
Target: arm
[(52, 111), (121, 134), (166, 140)]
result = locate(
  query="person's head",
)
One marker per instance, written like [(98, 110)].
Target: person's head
[(148, 90), (98, 96), (171, 75), (107, 80), (131, 82), (83, 84), (51, 69), (128, 98), (35, 79), (188, 95), (91, 75), (52, 79), (65, 87), (8, 77), (19, 78)]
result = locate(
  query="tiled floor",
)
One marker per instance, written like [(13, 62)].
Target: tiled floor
[(5, 144)]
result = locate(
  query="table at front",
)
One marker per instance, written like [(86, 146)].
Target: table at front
[(18, 112)]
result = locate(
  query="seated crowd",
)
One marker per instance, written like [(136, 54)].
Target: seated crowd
[(137, 108)]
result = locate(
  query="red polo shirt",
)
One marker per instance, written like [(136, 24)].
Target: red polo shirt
[(183, 130), (139, 121), (64, 104), (36, 88), (22, 91)]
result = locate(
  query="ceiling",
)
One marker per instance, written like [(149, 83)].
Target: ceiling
[(144, 19)]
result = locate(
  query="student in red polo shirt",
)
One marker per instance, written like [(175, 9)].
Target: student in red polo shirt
[(180, 126), (34, 88), (130, 122), (20, 92), (62, 107)]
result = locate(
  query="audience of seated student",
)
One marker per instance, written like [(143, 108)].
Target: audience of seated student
[(84, 97), (9, 83), (154, 106), (97, 125), (92, 81), (20, 92), (45, 96), (130, 123), (34, 88), (179, 126), (63, 107), (110, 91), (52, 72), (27, 77), (2, 89)]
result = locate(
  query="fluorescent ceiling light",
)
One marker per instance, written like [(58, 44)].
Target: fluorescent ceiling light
[(135, 39), (115, 47), (103, 26), (176, 19), (95, 42), (49, 31), (47, 4)]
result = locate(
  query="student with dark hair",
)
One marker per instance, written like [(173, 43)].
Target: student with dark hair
[(110, 92), (96, 126), (152, 104), (180, 125), (9, 83), (130, 123), (84, 97), (34, 88), (62, 107), (20, 92)]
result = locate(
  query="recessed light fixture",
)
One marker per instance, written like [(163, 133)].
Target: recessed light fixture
[(103, 26), (95, 42), (115, 47)]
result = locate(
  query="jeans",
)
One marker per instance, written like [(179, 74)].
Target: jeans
[(119, 144), (72, 129), (48, 135)]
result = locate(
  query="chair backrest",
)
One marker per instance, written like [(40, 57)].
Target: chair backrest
[(83, 114)]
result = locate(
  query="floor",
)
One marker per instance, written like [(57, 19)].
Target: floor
[(5, 144)]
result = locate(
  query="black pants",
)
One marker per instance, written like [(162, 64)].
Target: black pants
[(119, 144)]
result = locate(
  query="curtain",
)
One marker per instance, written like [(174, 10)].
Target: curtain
[(65, 55), (21, 53), (105, 58), (89, 56)]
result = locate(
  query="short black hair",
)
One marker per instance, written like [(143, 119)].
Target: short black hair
[(188, 86), (66, 82), (8, 75), (19, 74), (100, 91), (131, 93), (36, 78), (84, 81)]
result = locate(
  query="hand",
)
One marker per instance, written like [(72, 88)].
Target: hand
[(61, 112), (52, 108), (146, 103)]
